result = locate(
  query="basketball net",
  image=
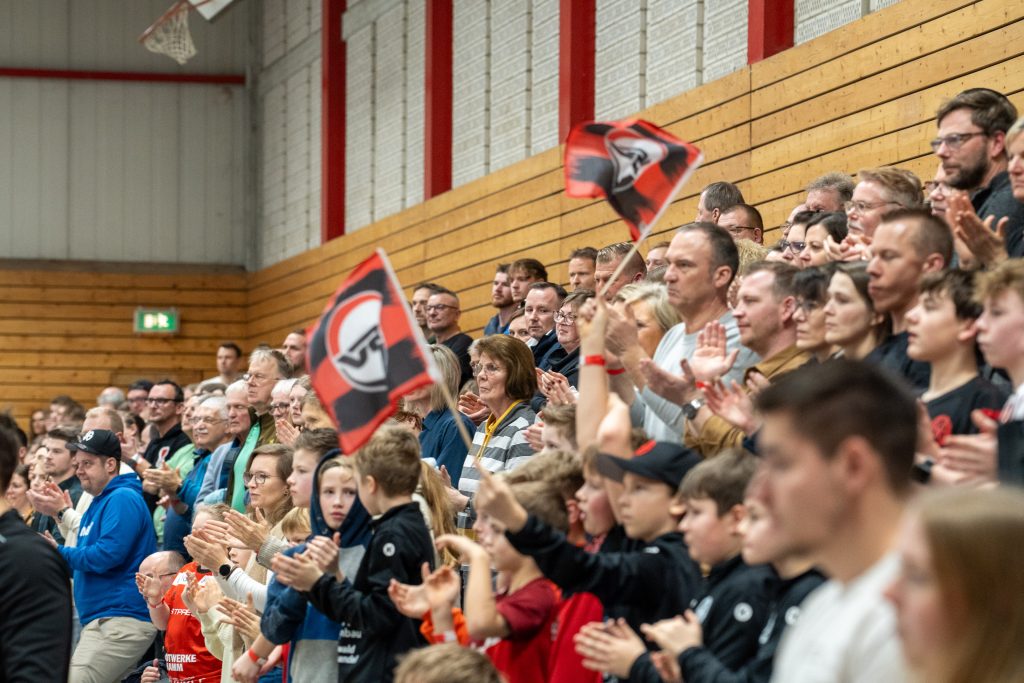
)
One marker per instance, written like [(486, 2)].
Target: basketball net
[(169, 35)]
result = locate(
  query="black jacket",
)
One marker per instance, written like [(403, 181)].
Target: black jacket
[(374, 632), (35, 606), (997, 200), (1011, 453), (699, 665), (656, 581), (547, 351)]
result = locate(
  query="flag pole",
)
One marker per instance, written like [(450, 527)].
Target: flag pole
[(623, 262)]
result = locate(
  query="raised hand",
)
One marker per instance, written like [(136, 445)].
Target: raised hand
[(324, 552), (49, 500), (472, 407), (243, 617), (442, 587), (712, 358), (461, 546), (674, 388), (676, 634), (987, 244), (203, 595), (205, 552), (611, 647), (253, 533), (149, 588), (732, 404), (973, 454), (286, 432), (299, 571)]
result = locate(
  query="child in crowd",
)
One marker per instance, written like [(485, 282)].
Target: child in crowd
[(295, 525), (942, 332), (327, 486), (559, 430), (449, 663), (374, 633), (560, 469), (681, 639), (654, 578), (731, 606), (513, 626)]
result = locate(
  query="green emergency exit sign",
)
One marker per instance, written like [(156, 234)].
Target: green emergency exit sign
[(156, 321)]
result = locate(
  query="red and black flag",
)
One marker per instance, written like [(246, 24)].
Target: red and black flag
[(635, 165), (366, 351)]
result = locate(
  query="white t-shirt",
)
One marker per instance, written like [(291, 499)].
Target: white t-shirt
[(846, 634)]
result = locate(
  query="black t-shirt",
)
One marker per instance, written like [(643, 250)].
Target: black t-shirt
[(891, 354), (951, 412)]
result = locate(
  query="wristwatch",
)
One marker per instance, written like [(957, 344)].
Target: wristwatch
[(225, 570), (60, 515), (691, 409)]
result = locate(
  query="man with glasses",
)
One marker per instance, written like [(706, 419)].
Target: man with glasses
[(971, 145), (879, 191), (743, 222), (137, 394), (165, 404), (420, 297), (209, 430), (443, 312)]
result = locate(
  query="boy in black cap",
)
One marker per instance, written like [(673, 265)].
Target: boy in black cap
[(732, 606), (654, 579)]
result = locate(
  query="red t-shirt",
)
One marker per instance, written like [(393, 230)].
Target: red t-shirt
[(530, 612), (566, 665), (188, 660)]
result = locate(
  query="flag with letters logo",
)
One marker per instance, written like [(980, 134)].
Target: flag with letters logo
[(635, 165), (366, 351)]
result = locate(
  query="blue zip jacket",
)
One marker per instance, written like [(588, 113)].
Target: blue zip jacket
[(115, 536), (289, 617)]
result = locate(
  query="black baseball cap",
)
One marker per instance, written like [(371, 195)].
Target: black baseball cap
[(101, 442), (659, 460)]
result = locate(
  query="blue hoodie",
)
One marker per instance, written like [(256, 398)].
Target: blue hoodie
[(289, 617), (115, 536)]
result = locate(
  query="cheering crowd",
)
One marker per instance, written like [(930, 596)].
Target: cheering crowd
[(723, 462)]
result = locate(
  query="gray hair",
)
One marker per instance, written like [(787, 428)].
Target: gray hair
[(218, 403), (264, 354)]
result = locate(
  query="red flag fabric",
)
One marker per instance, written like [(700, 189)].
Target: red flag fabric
[(366, 351), (635, 165)]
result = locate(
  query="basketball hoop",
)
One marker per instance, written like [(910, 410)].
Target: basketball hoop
[(169, 35)]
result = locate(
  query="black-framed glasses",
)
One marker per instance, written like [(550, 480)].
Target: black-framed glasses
[(954, 141), (162, 401), (280, 406), (785, 244), (439, 307), (565, 318)]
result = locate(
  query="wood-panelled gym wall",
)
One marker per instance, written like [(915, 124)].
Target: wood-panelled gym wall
[(70, 331), (861, 96)]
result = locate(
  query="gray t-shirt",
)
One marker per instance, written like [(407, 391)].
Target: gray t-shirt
[(664, 420)]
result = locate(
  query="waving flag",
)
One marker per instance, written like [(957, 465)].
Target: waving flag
[(366, 351), (635, 165)]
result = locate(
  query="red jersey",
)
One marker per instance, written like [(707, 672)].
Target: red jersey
[(565, 665), (188, 660), (530, 612)]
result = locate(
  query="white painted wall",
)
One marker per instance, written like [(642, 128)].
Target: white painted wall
[(384, 61), (120, 171), (287, 94)]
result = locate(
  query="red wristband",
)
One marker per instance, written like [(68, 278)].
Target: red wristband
[(256, 659), (615, 371), (593, 360)]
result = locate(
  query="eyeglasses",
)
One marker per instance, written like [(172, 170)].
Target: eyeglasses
[(489, 368), (162, 401), (255, 378), (864, 207), (438, 307), (259, 479), (953, 141), (207, 421), (566, 318), (740, 229), (280, 406), (785, 244)]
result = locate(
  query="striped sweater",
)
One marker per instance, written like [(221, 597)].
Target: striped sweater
[(505, 450)]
